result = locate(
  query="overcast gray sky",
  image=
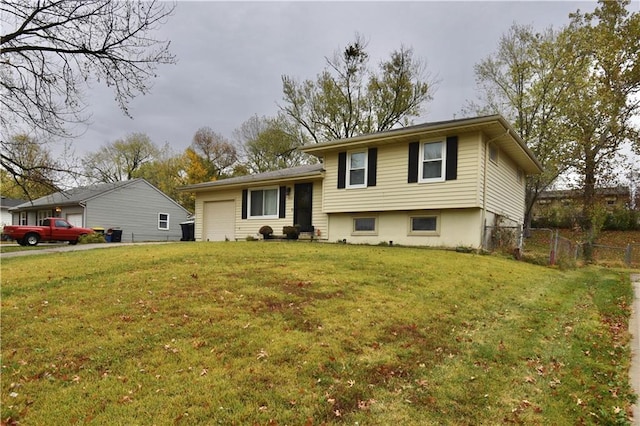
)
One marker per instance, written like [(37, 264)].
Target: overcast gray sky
[(231, 56)]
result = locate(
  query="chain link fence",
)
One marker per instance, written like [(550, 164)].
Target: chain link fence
[(502, 238), (548, 246)]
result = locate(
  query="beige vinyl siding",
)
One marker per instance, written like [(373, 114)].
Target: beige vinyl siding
[(318, 217), (249, 227), (505, 194), (392, 191)]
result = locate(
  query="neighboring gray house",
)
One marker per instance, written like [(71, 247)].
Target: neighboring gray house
[(5, 205), (140, 210)]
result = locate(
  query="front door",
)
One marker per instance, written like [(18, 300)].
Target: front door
[(302, 206)]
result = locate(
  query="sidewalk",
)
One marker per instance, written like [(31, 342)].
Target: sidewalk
[(634, 329)]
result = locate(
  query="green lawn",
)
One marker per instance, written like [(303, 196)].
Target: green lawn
[(305, 333)]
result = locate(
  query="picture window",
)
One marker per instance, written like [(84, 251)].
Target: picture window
[(263, 203)]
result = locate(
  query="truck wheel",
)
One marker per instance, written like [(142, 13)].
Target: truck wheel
[(32, 239)]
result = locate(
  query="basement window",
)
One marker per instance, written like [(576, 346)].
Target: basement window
[(365, 226), (424, 224)]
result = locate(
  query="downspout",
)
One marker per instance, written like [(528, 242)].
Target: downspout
[(483, 221)]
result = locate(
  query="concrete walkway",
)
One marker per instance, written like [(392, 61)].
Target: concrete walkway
[(634, 329)]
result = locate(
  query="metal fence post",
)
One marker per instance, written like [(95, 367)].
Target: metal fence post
[(627, 255), (553, 247)]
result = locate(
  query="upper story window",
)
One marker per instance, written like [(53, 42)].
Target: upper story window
[(357, 164), (163, 221), (357, 169), (433, 161), (432, 157), (263, 203)]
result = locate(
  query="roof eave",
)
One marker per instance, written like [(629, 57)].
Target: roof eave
[(533, 166), (221, 184)]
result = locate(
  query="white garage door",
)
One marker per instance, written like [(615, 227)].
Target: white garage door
[(219, 221), (75, 219)]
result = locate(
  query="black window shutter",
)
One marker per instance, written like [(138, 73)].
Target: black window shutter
[(245, 194), (451, 172), (342, 170), (372, 164), (414, 152), (283, 202)]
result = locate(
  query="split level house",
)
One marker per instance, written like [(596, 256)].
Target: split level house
[(135, 208), (435, 184)]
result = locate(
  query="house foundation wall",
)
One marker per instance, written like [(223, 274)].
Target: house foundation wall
[(455, 228)]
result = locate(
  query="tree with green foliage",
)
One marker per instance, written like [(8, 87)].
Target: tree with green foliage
[(525, 80), (118, 161), (606, 95), (167, 172), (270, 144), (348, 98)]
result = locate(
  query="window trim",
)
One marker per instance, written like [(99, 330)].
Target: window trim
[(364, 168), (443, 161), (375, 225), (415, 215), (160, 221), (23, 219), (263, 216)]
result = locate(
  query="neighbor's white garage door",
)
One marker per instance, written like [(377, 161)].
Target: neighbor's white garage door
[(219, 221), (75, 219)]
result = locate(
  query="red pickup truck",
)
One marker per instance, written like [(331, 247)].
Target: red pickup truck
[(52, 229)]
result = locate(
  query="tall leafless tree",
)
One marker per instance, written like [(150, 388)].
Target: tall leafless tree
[(50, 50)]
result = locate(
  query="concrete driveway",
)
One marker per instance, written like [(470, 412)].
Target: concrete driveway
[(77, 247)]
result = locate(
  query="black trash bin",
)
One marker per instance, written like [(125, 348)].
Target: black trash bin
[(116, 235), (188, 231)]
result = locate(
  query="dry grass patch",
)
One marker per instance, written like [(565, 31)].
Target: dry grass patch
[(299, 333)]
